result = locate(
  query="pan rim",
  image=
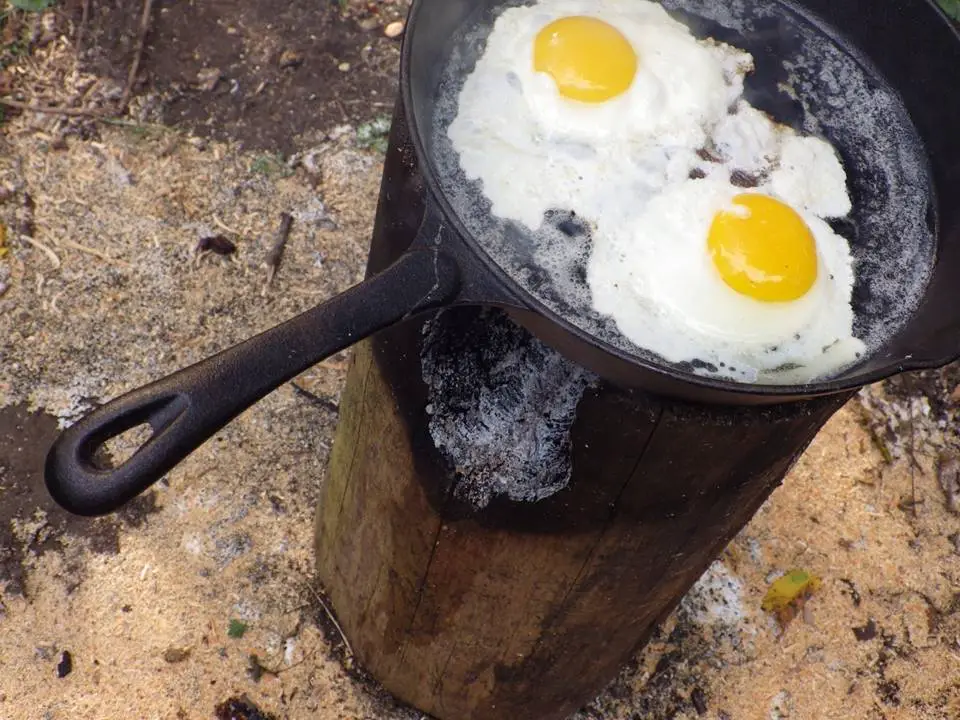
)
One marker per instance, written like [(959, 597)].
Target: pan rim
[(729, 389)]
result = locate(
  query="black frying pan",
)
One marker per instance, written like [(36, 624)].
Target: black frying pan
[(908, 46)]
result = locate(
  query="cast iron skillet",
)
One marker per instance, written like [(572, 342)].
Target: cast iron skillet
[(910, 42)]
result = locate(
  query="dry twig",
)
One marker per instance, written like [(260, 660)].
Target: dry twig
[(67, 243), (343, 636), (275, 256), (223, 226), (43, 248), (77, 112), (914, 465), (138, 55), (72, 112), (83, 26), (315, 399)]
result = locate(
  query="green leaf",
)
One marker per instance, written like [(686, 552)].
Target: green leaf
[(32, 5), (788, 588), (236, 629), (951, 8), (270, 165)]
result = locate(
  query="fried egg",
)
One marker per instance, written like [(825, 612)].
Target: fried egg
[(635, 76), (709, 240), (635, 96), (738, 283)]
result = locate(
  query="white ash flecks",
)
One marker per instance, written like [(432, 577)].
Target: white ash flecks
[(906, 422), (501, 405), (715, 605)]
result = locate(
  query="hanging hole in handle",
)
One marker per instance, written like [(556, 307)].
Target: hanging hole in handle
[(117, 449), (127, 429)]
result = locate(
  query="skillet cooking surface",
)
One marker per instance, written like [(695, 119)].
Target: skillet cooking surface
[(808, 77)]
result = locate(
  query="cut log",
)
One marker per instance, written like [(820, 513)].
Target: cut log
[(522, 609), (528, 609)]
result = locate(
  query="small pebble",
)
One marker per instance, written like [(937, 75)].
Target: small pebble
[(368, 23), (290, 59), (65, 666), (343, 67), (394, 29), (208, 78), (948, 473), (866, 632), (699, 699)]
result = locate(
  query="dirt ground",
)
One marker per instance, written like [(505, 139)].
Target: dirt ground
[(198, 599)]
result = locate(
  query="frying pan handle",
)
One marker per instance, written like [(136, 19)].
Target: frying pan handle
[(185, 409)]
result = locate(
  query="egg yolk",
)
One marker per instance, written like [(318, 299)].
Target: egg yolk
[(763, 249), (590, 60)]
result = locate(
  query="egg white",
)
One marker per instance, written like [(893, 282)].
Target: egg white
[(680, 89), (803, 159), (747, 140), (659, 263), (648, 171), (535, 150)]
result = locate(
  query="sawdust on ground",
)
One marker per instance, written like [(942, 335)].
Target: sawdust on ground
[(109, 294)]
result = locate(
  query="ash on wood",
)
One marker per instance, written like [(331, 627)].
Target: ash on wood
[(528, 609), (521, 609), (501, 406)]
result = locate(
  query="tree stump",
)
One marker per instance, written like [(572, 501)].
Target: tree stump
[(520, 609), (471, 604)]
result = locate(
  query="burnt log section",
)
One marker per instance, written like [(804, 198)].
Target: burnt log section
[(529, 609), (524, 609)]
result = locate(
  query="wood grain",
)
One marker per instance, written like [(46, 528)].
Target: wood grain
[(524, 610), (529, 609)]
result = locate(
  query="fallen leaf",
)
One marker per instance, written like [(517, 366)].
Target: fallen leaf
[(788, 588), (32, 5), (236, 629), (219, 244), (951, 8), (787, 596)]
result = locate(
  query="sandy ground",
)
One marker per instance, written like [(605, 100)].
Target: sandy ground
[(204, 591)]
